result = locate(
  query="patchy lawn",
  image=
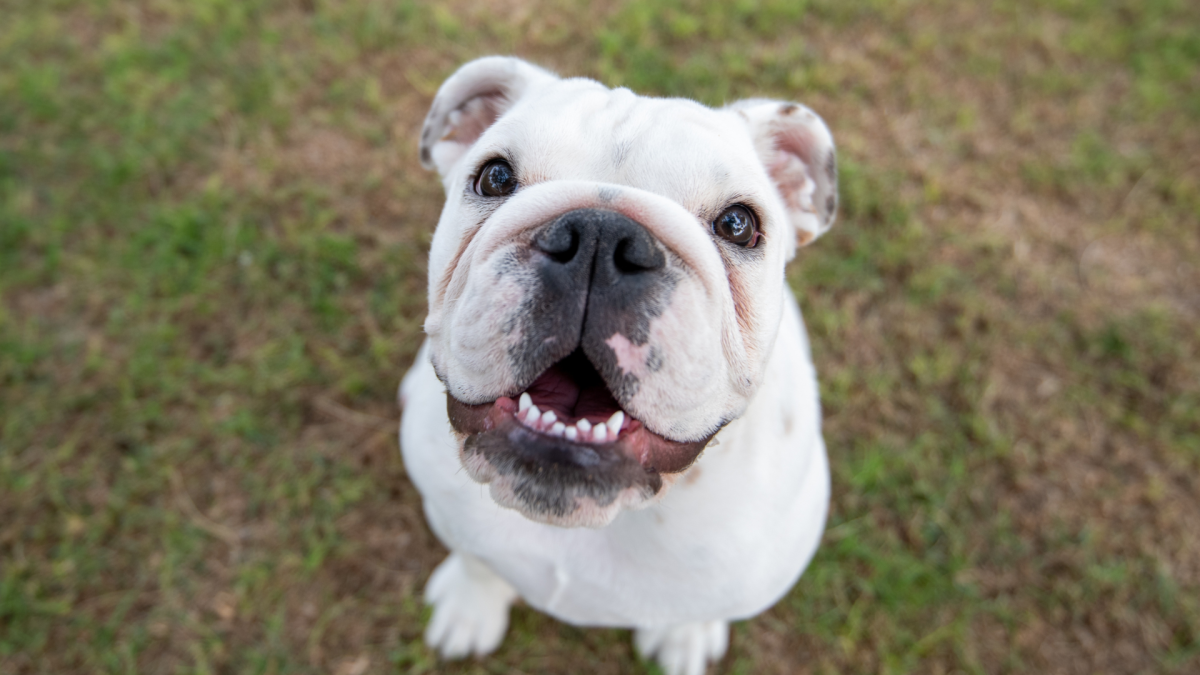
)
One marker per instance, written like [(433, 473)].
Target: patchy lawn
[(212, 236)]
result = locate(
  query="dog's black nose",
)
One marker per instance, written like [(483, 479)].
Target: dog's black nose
[(619, 245)]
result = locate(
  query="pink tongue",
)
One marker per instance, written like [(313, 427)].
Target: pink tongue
[(570, 400)]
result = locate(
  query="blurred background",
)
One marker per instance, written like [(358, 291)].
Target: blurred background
[(213, 227)]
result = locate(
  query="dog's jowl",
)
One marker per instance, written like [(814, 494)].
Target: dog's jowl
[(613, 351)]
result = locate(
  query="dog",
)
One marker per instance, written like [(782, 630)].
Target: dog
[(614, 415)]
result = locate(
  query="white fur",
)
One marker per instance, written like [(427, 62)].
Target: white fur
[(471, 605), (728, 537), (684, 649)]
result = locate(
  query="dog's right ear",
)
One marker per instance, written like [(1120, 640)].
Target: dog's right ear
[(469, 102)]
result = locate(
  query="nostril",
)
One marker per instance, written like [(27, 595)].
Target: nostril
[(632, 255), (560, 243)]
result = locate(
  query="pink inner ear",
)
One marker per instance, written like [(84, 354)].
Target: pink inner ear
[(466, 124), (791, 167)]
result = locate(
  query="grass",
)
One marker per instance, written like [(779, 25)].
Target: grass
[(212, 234)]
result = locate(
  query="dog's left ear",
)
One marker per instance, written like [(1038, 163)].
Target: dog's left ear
[(469, 102), (797, 149)]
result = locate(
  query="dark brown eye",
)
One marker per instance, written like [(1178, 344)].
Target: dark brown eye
[(497, 179), (737, 224)]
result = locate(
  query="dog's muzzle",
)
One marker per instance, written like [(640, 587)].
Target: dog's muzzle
[(564, 449)]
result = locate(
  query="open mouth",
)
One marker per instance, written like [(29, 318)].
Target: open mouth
[(570, 401), (570, 414)]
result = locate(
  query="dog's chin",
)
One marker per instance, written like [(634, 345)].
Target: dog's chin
[(564, 452), (546, 504)]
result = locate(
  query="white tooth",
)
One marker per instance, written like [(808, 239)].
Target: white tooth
[(557, 429), (614, 423), (584, 427), (571, 433), (549, 418), (600, 433), (524, 402), (531, 415)]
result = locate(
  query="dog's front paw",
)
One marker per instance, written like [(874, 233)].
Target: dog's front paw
[(685, 649), (470, 608)]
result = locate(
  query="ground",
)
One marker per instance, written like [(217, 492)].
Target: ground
[(213, 226)]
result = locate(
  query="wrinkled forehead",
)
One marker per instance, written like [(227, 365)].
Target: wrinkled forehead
[(581, 130)]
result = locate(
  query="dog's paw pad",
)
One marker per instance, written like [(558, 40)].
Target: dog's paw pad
[(686, 649), (470, 608)]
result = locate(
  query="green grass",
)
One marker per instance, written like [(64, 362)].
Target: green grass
[(212, 236)]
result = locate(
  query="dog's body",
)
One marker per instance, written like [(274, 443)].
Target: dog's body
[(607, 300)]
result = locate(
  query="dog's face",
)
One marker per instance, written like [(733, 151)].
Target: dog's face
[(607, 277)]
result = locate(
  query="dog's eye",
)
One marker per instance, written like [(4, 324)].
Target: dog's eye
[(737, 224), (497, 179)]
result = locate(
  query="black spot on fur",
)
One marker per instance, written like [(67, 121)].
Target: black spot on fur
[(831, 199), (654, 362)]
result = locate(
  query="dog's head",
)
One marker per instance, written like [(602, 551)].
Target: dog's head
[(607, 277)]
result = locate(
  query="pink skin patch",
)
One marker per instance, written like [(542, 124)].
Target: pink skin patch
[(631, 358)]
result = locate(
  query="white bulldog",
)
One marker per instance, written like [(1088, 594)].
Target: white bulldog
[(614, 352)]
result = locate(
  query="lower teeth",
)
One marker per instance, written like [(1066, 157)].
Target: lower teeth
[(583, 430)]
